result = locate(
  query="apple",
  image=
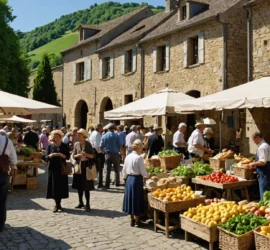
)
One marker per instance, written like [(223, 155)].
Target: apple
[(253, 210), (259, 213), (263, 208)]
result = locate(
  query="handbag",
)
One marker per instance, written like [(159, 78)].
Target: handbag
[(66, 168), (91, 170), (77, 168), (4, 159)]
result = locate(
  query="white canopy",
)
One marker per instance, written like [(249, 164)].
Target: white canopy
[(17, 105), (253, 94), (16, 119), (125, 118), (160, 103)]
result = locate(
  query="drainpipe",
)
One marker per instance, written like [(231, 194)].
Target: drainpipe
[(249, 45), (142, 69), (63, 114)]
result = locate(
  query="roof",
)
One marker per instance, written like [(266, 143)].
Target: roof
[(139, 30), (104, 28), (172, 24)]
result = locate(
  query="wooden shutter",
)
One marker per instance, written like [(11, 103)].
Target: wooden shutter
[(87, 69), (185, 52), (74, 72), (134, 60), (154, 59), (100, 68), (111, 66), (201, 47), (123, 63), (167, 56)]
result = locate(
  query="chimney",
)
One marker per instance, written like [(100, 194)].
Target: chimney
[(170, 5)]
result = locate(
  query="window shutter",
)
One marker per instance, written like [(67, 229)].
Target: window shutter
[(185, 52), (201, 47), (134, 60), (87, 69), (100, 69), (90, 69), (154, 59), (167, 56), (111, 66), (123, 63), (74, 72)]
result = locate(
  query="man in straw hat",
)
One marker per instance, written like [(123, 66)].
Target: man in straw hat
[(196, 144), (155, 142), (111, 145)]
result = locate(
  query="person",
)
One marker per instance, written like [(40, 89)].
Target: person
[(20, 138), (90, 130), (95, 140), (150, 131), (262, 163), (44, 140), (179, 143), (31, 138), (56, 154), (8, 150), (74, 136), (7, 129), (83, 154), (155, 142), (66, 138), (138, 130), (196, 147), (13, 136), (134, 171), (126, 130), (130, 138), (111, 145), (69, 128), (64, 130), (122, 136), (209, 138)]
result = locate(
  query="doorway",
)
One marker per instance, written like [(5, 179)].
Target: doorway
[(81, 112)]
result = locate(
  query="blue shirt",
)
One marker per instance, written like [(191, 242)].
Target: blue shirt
[(122, 136), (111, 142)]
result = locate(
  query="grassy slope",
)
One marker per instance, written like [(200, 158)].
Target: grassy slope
[(54, 47)]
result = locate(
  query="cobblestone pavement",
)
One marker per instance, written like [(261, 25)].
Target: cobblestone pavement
[(31, 224)]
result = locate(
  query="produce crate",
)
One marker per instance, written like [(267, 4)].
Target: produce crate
[(177, 206), (216, 165), (170, 162), (153, 162), (32, 183), (209, 234), (19, 179), (245, 173), (231, 241), (262, 242)]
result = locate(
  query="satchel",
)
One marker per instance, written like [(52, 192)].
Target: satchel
[(4, 159), (66, 168), (91, 173), (77, 168)]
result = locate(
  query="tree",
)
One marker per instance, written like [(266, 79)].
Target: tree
[(14, 73), (44, 88)]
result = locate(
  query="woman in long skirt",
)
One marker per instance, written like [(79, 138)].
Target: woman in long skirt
[(56, 154), (83, 153), (134, 170)]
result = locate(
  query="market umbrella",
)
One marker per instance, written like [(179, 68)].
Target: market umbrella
[(208, 121), (11, 104), (16, 119), (160, 103)]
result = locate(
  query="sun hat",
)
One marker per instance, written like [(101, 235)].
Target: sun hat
[(208, 130), (83, 132), (182, 124), (198, 123)]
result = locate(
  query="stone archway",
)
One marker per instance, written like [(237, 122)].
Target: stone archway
[(106, 105), (194, 93), (81, 113)]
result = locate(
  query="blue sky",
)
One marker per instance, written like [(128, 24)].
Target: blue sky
[(33, 13)]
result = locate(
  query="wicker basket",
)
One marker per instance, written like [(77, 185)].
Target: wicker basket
[(170, 162), (231, 241), (216, 165), (32, 183), (245, 173), (174, 206), (262, 242), (154, 162)]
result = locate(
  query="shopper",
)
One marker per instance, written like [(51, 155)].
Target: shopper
[(262, 163), (209, 138), (111, 146), (83, 154), (155, 142), (150, 131), (134, 171), (7, 149), (43, 140), (130, 138), (31, 138), (56, 154), (179, 143)]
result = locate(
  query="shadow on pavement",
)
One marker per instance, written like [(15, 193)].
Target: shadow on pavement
[(96, 213), (28, 238)]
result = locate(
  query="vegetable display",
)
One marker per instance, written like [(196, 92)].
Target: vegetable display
[(26, 151), (266, 199), (219, 178), (214, 214), (242, 224), (167, 153), (153, 170)]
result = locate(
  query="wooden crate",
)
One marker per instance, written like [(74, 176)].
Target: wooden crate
[(216, 165), (209, 234), (19, 179), (32, 183), (262, 242), (245, 173)]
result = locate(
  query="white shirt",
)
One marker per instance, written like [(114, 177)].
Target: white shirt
[(148, 134), (10, 151), (95, 140), (134, 165), (178, 137), (263, 152), (130, 138), (196, 138)]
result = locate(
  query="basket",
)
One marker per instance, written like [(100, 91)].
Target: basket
[(171, 207), (216, 165), (154, 162), (229, 241), (262, 242), (19, 179), (31, 183), (170, 162), (245, 173)]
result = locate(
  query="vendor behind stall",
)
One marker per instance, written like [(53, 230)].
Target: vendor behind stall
[(262, 163)]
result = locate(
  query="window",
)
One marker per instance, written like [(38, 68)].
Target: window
[(193, 50), (128, 99), (184, 13), (107, 67), (129, 61), (80, 70), (161, 58)]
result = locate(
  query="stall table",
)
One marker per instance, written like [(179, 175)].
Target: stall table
[(228, 187)]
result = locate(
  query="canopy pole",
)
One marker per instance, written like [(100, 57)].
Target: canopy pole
[(220, 130)]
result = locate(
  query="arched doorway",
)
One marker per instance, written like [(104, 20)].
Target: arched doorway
[(106, 105), (81, 112)]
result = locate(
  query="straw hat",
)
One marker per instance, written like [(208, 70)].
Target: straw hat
[(83, 132), (208, 130), (181, 125), (199, 123)]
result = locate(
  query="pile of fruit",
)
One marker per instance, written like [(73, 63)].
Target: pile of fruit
[(181, 193), (219, 178), (242, 224), (214, 214), (153, 170), (167, 153), (265, 230), (215, 200)]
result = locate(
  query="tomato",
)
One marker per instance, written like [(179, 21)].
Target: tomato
[(219, 178)]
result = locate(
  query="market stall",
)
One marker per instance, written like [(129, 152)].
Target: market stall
[(16, 119)]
